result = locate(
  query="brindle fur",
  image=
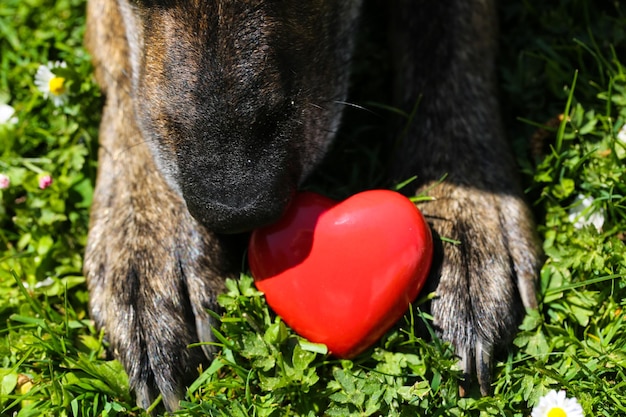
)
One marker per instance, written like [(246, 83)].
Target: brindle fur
[(217, 110)]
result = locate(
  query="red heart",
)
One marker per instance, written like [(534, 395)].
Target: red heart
[(343, 273)]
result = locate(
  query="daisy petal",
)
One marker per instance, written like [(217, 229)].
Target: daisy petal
[(7, 114)]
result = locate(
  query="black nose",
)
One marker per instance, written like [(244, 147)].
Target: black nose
[(232, 213), (237, 206)]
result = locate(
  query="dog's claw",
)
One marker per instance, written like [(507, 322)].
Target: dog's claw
[(466, 365), (142, 395), (476, 361), (484, 359)]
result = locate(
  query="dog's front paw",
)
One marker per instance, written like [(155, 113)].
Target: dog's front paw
[(490, 258), (152, 272)]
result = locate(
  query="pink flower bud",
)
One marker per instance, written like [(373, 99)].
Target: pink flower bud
[(45, 181), (5, 181)]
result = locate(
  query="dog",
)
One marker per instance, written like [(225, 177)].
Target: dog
[(216, 112)]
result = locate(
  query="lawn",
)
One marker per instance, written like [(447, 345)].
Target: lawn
[(564, 99)]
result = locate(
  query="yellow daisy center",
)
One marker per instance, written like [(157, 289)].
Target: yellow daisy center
[(557, 412), (57, 85)]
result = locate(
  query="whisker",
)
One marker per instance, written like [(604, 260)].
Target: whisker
[(355, 106)]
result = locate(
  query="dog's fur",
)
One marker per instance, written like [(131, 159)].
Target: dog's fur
[(217, 110)]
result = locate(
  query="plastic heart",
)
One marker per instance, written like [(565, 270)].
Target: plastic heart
[(343, 273)]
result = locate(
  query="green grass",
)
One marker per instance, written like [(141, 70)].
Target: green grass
[(557, 58)]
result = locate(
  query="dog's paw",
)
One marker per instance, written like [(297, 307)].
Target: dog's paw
[(489, 263), (152, 272)]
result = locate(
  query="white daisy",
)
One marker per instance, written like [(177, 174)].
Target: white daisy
[(7, 115), (556, 404), (51, 85), (582, 213)]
